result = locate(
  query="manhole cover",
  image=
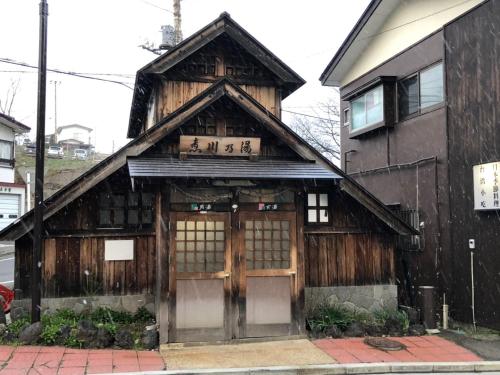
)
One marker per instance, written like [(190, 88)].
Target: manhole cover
[(384, 344)]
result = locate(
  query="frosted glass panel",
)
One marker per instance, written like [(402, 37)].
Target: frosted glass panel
[(311, 200), (431, 86), (200, 304), (311, 216), (323, 200), (268, 300), (323, 216)]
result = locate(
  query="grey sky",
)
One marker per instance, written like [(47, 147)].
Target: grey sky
[(101, 36)]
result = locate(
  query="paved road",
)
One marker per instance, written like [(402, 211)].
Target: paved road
[(7, 264)]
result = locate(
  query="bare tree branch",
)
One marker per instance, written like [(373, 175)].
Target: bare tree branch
[(323, 133), (10, 96)]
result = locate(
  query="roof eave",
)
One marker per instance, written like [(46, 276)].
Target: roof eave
[(325, 76)]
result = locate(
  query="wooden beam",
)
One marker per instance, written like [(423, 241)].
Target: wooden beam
[(162, 263)]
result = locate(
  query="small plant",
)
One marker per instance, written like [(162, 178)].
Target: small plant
[(382, 316), (16, 327), (143, 315), (324, 316), (106, 315)]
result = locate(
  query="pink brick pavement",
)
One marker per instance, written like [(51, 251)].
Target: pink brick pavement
[(39, 360), (418, 349)]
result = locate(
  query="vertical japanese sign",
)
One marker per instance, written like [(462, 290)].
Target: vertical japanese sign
[(486, 186), (222, 146)]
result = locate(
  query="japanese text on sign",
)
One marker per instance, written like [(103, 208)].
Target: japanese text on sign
[(225, 146), (486, 186)]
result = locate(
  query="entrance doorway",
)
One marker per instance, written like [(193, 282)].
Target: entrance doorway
[(259, 272), (200, 290), (269, 244)]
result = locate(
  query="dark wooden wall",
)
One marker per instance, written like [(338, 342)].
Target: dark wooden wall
[(355, 249), (67, 260), (473, 90), (348, 259)]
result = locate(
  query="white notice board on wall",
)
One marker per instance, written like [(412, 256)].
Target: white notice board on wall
[(119, 250), (487, 186)]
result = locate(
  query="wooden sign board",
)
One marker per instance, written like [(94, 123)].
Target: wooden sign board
[(222, 146)]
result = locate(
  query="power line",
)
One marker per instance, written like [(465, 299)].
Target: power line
[(316, 117), (156, 6), (74, 74)]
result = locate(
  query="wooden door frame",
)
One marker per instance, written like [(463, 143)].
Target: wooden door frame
[(294, 272), (173, 277)]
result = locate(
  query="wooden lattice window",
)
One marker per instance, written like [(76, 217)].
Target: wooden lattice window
[(200, 246), (317, 208), (122, 210), (267, 244), (199, 65), (239, 127), (201, 126)]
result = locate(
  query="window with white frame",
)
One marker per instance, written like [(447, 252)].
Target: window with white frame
[(6, 150), (317, 208)]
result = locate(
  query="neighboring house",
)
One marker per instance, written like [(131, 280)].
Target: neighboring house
[(420, 91), (73, 136), (12, 195), (216, 212)]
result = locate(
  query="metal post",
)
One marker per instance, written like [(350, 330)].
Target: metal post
[(36, 280)]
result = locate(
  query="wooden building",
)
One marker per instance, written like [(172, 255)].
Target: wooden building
[(215, 207), (420, 104)]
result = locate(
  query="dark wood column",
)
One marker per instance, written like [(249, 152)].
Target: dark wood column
[(162, 262)]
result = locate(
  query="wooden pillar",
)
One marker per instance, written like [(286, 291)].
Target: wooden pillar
[(162, 262), (301, 270), (238, 274)]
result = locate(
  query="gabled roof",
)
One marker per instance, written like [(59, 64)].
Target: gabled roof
[(223, 88), (59, 128), (224, 24), (12, 123), (355, 41)]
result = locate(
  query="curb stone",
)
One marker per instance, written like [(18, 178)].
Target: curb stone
[(344, 369)]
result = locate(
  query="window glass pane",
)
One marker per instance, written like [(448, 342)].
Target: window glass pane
[(147, 217), (311, 216), (147, 199), (311, 200), (323, 216), (431, 86), (104, 217), (104, 200), (119, 217), (358, 113), (6, 150), (118, 200), (323, 200), (408, 96), (375, 105), (133, 199), (133, 217), (347, 116)]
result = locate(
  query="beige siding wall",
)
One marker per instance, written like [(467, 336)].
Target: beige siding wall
[(410, 22)]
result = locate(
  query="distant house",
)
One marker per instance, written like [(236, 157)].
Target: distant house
[(12, 195), (73, 136)]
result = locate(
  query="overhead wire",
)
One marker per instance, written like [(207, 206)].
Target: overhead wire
[(74, 74)]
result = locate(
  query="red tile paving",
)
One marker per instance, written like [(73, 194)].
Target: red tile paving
[(39, 360), (418, 349)]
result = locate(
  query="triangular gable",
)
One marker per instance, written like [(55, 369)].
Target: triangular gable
[(223, 25), (163, 128)]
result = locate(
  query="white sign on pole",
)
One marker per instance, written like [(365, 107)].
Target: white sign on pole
[(486, 186)]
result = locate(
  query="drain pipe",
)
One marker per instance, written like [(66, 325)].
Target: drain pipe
[(445, 312), (472, 289)]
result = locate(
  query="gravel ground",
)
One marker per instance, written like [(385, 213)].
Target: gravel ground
[(487, 346)]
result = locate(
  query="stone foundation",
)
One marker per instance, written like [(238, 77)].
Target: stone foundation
[(368, 297), (129, 303)]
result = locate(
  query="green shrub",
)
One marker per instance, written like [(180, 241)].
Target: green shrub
[(381, 316), (18, 325), (143, 315), (324, 316), (106, 315)]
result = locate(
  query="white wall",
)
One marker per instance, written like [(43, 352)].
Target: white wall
[(6, 133), (77, 133), (410, 22)]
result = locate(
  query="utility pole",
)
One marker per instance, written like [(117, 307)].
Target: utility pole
[(55, 83), (36, 280), (177, 21)]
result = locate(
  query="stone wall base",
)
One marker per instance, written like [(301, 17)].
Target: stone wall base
[(367, 297), (129, 303)]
